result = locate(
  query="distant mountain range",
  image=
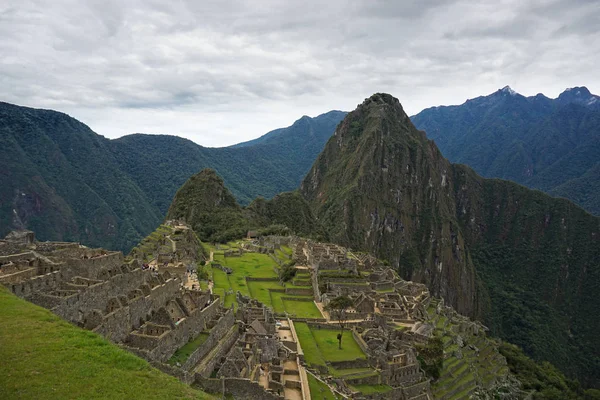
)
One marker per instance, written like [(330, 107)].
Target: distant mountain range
[(548, 144), (63, 180), (66, 182)]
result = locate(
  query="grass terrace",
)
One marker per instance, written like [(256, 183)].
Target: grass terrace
[(319, 390), (182, 354), (321, 345)]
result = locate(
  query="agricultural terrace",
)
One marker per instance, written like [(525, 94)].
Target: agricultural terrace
[(268, 289), (320, 347)]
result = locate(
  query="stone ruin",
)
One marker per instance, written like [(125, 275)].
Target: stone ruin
[(146, 312)]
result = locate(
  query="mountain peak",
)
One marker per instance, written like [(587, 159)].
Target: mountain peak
[(508, 90), (579, 95), (580, 91)]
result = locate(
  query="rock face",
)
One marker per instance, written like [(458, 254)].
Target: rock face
[(523, 262), (381, 185)]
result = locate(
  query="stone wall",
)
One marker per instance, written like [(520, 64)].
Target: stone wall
[(223, 348), (40, 283), (237, 387), (92, 267), (358, 363), (18, 276), (216, 333), (188, 328)]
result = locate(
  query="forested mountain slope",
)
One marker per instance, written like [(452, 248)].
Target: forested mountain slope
[(62, 180), (547, 144), (525, 263)]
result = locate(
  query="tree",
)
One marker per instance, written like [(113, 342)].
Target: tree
[(337, 308)]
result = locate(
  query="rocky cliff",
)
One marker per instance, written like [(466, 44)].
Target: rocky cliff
[(523, 262)]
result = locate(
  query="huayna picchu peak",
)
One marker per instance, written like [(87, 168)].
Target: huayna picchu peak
[(381, 186)]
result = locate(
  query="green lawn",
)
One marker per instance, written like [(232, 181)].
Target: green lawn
[(260, 290), (182, 354), (319, 390), (321, 345), (250, 264), (312, 354), (328, 345), (44, 357), (302, 309)]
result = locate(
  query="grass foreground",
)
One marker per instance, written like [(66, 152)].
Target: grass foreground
[(45, 357)]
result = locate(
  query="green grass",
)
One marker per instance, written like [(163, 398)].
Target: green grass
[(44, 357), (371, 389), (261, 291), (182, 354), (250, 264), (302, 309), (319, 390), (328, 345), (312, 354)]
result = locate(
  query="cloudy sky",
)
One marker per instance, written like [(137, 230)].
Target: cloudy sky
[(221, 72)]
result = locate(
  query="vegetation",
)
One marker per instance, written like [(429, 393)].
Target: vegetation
[(431, 356), (209, 207), (337, 309), (44, 357), (551, 145), (543, 379), (522, 262), (68, 183), (321, 345), (319, 390), (183, 353)]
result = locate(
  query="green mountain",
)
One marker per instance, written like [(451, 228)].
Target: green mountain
[(526, 264), (205, 204), (272, 164), (546, 144), (62, 180)]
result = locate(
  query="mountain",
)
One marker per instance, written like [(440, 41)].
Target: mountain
[(60, 179), (66, 182), (526, 264), (160, 164), (205, 204), (546, 144)]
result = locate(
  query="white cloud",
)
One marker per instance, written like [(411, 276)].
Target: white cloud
[(220, 72)]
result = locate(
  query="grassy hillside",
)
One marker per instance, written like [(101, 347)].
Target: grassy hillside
[(44, 357)]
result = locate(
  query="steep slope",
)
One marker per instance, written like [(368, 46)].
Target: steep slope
[(274, 163), (205, 204), (60, 179), (209, 208), (64, 181), (536, 141), (44, 357), (525, 263)]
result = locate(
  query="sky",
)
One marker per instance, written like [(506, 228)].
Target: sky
[(222, 72)]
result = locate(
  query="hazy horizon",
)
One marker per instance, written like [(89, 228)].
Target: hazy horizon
[(220, 73)]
